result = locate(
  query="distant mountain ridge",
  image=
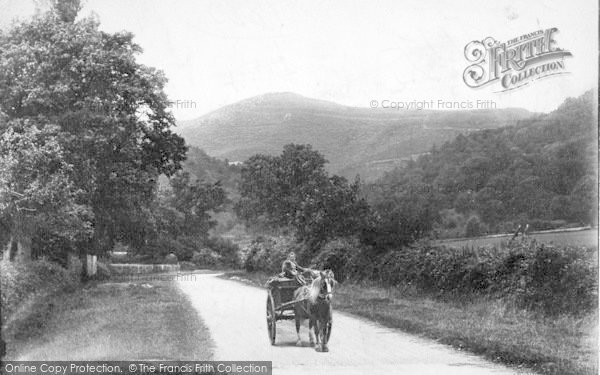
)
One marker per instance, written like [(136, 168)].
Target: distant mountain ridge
[(355, 140)]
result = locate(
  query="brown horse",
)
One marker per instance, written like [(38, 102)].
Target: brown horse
[(315, 305)]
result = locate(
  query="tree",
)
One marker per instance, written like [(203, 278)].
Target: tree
[(584, 200), (180, 217), (474, 227), (405, 213), (533, 172), (260, 191), (294, 190), (111, 114), (36, 189), (195, 201)]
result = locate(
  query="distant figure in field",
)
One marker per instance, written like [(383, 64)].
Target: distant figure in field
[(516, 232), (519, 229)]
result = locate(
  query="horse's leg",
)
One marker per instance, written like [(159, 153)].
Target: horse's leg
[(322, 328), (327, 329), (326, 332), (298, 318), (316, 328), (311, 334)]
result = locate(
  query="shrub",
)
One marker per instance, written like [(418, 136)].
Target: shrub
[(187, 266), (20, 282), (538, 224), (337, 255), (171, 258), (474, 227), (560, 280), (268, 253), (550, 280), (102, 272), (206, 257), (227, 250)]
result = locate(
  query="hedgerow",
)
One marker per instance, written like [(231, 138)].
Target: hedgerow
[(20, 282), (538, 277)]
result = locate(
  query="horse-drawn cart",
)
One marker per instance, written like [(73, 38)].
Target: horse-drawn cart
[(288, 299), (280, 303)]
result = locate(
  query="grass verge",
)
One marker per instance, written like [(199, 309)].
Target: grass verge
[(563, 345), (142, 320)]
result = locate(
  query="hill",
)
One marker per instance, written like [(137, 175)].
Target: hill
[(539, 172), (354, 140), (209, 169)]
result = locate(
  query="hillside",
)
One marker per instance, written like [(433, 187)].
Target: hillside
[(210, 169), (540, 172), (354, 140)]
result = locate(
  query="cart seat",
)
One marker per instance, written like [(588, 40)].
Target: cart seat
[(282, 283)]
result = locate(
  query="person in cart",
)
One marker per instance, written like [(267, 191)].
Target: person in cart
[(291, 270)]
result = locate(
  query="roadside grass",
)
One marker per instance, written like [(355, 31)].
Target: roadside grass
[(143, 320), (563, 345)]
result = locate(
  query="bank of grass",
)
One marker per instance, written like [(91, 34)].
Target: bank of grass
[(141, 320), (549, 345)]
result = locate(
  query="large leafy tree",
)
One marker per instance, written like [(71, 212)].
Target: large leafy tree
[(293, 190), (180, 219), (405, 210), (110, 114), (195, 200), (36, 190)]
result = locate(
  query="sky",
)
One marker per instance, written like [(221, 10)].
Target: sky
[(351, 52)]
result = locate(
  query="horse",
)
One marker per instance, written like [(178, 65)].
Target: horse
[(315, 305)]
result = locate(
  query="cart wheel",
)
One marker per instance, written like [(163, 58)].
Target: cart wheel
[(271, 319)]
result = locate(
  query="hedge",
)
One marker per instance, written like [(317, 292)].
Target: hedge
[(552, 280), (21, 282)]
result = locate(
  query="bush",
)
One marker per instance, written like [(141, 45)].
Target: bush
[(474, 227), (20, 282), (206, 257), (171, 258), (227, 250), (560, 280), (550, 280), (537, 224), (187, 266), (102, 272), (338, 255), (268, 253)]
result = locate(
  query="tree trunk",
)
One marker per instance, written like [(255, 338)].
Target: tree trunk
[(83, 258)]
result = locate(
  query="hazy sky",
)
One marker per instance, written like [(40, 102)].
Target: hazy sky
[(351, 52)]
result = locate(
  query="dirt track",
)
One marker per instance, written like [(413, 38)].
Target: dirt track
[(235, 315)]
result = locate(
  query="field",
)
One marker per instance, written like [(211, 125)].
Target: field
[(586, 237)]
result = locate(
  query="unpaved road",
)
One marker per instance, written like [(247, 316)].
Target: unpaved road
[(236, 318)]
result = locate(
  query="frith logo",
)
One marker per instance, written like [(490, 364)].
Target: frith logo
[(515, 63)]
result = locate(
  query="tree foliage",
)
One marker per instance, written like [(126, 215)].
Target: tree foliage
[(540, 172), (36, 188), (103, 117), (179, 219), (294, 190)]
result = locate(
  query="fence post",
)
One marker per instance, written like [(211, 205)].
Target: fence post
[(91, 265)]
